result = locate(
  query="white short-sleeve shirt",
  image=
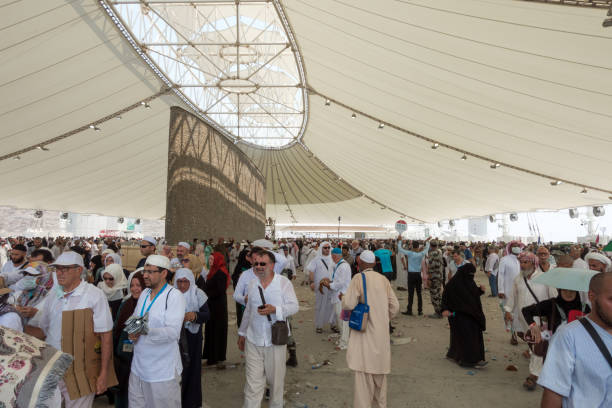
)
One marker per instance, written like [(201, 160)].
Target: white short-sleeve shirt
[(84, 296)]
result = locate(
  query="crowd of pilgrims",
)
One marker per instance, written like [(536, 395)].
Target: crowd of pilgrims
[(203, 270)]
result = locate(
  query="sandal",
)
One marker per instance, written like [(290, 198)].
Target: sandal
[(530, 383)]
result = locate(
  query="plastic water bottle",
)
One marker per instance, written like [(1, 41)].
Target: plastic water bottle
[(508, 324)]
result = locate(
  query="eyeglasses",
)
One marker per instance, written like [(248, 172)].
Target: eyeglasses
[(63, 268), (109, 279), (145, 272), (260, 263), (185, 260)]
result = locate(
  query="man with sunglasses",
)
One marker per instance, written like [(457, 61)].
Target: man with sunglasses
[(74, 293), (156, 365), (147, 247), (271, 298)]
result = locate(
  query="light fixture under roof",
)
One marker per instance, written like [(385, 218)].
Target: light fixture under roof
[(145, 104), (327, 102), (94, 127), (17, 158), (43, 148), (435, 146), (381, 125), (464, 157), (584, 191), (495, 165), (555, 182), (354, 115)]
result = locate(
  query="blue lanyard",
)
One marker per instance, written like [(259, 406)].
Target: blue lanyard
[(142, 312), (336, 267)]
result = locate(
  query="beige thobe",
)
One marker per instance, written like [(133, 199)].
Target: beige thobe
[(369, 351)]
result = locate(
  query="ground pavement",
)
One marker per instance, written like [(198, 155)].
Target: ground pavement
[(421, 376)]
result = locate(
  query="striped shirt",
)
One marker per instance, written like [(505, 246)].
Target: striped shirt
[(576, 369)]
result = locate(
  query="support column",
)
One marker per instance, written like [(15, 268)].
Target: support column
[(214, 190)]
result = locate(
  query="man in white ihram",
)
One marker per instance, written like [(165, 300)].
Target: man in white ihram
[(509, 269), (320, 268), (264, 360), (156, 365)]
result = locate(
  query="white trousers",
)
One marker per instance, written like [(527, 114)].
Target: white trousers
[(162, 394), (342, 326), (62, 393), (535, 364), (324, 310), (264, 364), (370, 390)]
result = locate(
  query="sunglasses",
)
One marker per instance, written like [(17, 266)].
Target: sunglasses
[(326, 247), (260, 263)]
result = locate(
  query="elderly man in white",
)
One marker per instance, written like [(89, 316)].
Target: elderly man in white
[(597, 261), (338, 285), (526, 293), (271, 298)]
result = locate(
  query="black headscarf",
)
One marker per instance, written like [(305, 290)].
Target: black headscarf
[(241, 265), (97, 261), (461, 295)]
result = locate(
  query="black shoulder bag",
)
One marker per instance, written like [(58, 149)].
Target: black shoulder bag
[(280, 330), (600, 344), (539, 349)]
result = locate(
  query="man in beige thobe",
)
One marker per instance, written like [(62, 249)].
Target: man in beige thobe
[(369, 351)]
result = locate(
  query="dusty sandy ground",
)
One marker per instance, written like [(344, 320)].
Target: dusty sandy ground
[(421, 376)]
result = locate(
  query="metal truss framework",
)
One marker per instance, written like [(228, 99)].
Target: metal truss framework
[(235, 63), (577, 3)]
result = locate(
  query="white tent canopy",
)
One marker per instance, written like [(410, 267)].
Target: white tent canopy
[(524, 84)]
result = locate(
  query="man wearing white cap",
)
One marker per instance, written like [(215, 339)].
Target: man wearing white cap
[(147, 247), (74, 294), (369, 351), (598, 262), (189, 261), (156, 365)]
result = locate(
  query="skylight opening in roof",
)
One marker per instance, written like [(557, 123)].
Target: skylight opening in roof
[(235, 62)]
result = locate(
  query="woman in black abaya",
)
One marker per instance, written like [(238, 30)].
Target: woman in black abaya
[(244, 263), (215, 333), (461, 304), (196, 313)]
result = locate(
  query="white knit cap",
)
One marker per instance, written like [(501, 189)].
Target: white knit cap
[(158, 260), (367, 257)]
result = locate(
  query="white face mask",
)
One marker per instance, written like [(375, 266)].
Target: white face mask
[(26, 283), (516, 250)]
